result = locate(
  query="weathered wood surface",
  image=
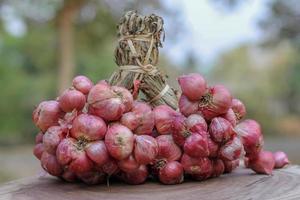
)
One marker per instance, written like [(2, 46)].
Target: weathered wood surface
[(241, 184)]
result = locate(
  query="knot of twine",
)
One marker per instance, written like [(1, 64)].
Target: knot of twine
[(142, 67)]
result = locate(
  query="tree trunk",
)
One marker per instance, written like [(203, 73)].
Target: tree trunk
[(65, 27)]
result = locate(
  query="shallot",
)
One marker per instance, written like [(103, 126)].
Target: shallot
[(171, 173), (119, 141), (192, 85), (281, 159)]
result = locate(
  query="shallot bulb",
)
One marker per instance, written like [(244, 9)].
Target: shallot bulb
[(164, 116), (109, 102), (50, 164), (231, 165), (47, 114), (251, 136), (263, 163), (110, 167), (136, 177), (126, 96), (128, 164), (215, 102), (171, 173), (238, 108), (213, 148), (38, 150), (167, 149), (89, 127), (231, 117), (180, 131), (220, 130), (70, 153), (196, 123), (218, 168), (186, 106), (39, 138), (231, 150), (140, 120), (82, 84), (119, 141), (281, 159), (97, 152), (196, 145), (192, 85), (51, 139), (69, 176), (72, 99), (145, 149), (200, 168)]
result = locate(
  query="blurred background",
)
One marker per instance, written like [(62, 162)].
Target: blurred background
[(250, 46)]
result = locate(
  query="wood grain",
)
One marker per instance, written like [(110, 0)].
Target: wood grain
[(241, 184)]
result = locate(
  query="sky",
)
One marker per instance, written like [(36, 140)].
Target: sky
[(212, 31)]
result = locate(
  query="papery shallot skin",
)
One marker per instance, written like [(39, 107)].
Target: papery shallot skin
[(136, 177), (89, 127), (97, 152), (231, 117), (72, 99), (167, 148), (213, 148), (128, 164), (251, 136), (51, 139), (196, 145), (231, 165), (200, 168), (281, 159), (187, 107), (39, 138), (69, 176), (164, 116), (145, 149), (215, 102), (109, 102), (119, 141), (171, 173), (111, 167), (192, 85), (82, 84), (47, 114), (220, 130), (218, 168), (38, 150), (263, 163), (140, 120), (238, 108), (231, 150), (50, 164), (80, 163), (196, 123), (71, 154)]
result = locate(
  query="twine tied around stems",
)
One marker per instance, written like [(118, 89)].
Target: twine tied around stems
[(142, 67), (136, 54)]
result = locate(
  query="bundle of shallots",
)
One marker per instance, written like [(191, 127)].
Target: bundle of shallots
[(93, 132)]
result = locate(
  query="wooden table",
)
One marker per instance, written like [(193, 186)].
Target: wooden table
[(241, 184)]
